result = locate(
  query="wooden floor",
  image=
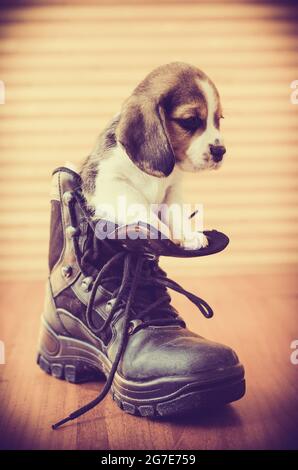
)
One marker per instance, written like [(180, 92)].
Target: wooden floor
[(256, 315)]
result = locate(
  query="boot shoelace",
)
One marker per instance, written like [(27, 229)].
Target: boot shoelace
[(125, 296)]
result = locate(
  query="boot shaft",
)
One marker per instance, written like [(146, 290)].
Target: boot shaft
[(63, 263)]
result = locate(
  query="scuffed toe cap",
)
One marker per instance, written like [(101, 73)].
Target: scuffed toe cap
[(153, 353)]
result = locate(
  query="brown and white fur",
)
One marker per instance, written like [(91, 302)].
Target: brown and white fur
[(170, 124)]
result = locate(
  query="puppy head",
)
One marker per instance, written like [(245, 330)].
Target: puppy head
[(172, 117)]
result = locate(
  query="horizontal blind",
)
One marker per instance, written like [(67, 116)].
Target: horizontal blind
[(68, 65)]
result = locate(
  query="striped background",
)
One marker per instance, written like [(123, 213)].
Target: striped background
[(67, 66)]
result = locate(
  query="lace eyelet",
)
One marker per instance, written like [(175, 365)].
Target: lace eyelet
[(87, 283), (67, 197), (133, 324), (109, 305), (67, 270), (150, 256), (72, 231)]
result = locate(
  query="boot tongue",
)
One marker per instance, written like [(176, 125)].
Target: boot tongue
[(144, 238), (149, 292)]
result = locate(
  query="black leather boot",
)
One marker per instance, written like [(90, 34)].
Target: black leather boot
[(107, 312)]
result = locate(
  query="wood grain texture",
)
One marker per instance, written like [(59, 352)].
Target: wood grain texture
[(255, 314), (67, 67)]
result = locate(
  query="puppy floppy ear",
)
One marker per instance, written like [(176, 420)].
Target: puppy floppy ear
[(142, 132)]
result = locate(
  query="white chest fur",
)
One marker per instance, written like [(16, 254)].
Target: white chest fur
[(118, 168)]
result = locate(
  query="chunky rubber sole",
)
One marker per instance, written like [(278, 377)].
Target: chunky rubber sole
[(78, 361)]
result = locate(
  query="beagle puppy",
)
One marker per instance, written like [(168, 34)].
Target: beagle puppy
[(169, 124)]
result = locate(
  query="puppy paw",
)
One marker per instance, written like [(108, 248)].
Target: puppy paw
[(194, 241)]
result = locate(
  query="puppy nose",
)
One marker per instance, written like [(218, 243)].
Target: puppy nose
[(217, 152)]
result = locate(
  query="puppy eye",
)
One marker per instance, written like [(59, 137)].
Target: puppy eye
[(190, 124)]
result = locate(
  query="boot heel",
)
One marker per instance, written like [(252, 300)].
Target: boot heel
[(63, 358)]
